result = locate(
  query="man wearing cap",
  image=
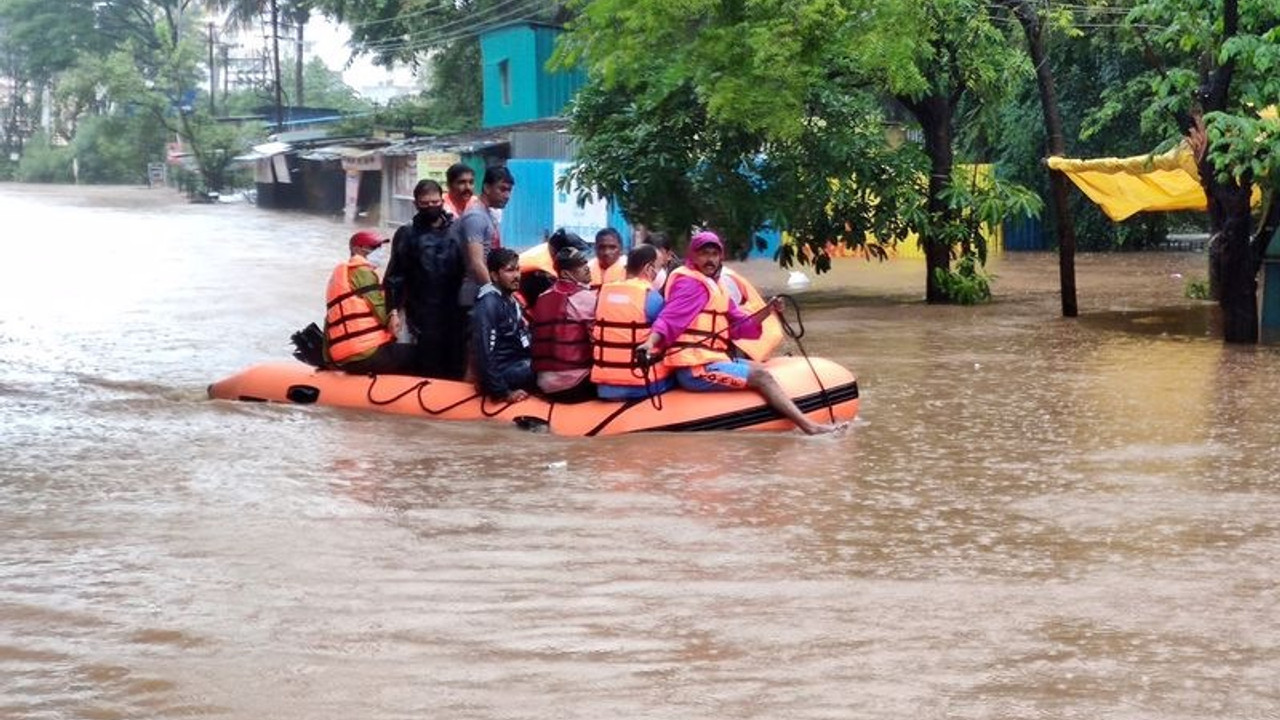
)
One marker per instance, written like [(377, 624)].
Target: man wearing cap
[(693, 331), (561, 321), (537, 264), (359, 336)]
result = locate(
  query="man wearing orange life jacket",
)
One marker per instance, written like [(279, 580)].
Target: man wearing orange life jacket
[(561, 321), (625, 313), (694, 329), (460, 180), (607, 266), (359, 335)]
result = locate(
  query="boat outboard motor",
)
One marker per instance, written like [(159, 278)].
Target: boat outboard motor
[(308, 345)]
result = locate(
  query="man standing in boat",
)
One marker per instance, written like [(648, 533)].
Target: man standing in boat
[(480, 231), (693, 331), (359, 333), (423, 281), (460, 180)]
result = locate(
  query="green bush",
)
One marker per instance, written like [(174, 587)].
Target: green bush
[(967, 283), (43, 163), (1196, 288)]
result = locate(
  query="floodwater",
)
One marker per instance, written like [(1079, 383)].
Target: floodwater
[(1034, 518)]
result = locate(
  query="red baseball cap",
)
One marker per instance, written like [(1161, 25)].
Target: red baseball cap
[(367, 238)]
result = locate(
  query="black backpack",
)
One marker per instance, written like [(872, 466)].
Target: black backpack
[(438, 261)]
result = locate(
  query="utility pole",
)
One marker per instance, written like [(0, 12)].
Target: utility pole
[(297, 62), (275, 59), (213, 76)]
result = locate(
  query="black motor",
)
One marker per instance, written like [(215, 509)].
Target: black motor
[(308, 345)]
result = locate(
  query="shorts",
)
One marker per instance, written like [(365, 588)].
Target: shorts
[(635, 392), (722, 375)]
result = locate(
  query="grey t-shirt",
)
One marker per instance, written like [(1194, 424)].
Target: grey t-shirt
[(476, 226)]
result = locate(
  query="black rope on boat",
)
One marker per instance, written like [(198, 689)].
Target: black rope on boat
[(642, 365), (417, 388), (373, 380), (484, 399), (795, 335)]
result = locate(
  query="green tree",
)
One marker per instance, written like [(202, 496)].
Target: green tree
[(795, 92), (1216, 66)]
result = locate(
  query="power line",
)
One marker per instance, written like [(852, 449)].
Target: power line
[(529, 11), (502, 11)]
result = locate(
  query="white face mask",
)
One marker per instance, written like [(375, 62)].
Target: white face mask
[(377, 257)]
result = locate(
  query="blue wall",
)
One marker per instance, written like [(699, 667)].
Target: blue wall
[(1025, 234), (535, 93), (530, 215)]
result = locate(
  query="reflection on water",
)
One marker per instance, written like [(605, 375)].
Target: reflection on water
[(1035, 517)]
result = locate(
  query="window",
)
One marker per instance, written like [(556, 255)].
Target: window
[(504, 80)]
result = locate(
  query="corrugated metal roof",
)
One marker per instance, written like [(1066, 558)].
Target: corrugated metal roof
[(339, 152), (470, 142)]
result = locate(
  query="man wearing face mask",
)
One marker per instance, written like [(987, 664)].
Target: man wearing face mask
[(359, 333), (423, 282)]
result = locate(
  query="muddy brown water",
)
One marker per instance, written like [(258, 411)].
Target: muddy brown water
[(1034, 518)]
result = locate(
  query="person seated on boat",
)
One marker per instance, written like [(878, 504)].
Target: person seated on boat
[(561, 323), (607, 266), (499, 334), (625, 313), (424, 280), (667, 260), (359, 333), (537, 264), (693, 331)]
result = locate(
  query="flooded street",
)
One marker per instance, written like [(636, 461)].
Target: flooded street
[(1034, 517)]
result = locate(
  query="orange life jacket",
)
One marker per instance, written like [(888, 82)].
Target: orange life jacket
[(454, 209), (706, 340), (537, 257), (617, 272), (770, 327), (621, 326), (350, 325)]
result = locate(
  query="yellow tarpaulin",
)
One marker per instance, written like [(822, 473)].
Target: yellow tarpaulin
[(1124, 186)]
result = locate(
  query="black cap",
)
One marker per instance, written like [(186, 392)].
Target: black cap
[(569, 258), (562, 238)]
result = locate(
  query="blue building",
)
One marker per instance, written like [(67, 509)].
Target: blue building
[(518, 86)]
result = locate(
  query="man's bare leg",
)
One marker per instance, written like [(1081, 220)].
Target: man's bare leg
[(764, 383)]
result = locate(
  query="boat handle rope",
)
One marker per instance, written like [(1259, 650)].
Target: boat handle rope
[(795, 335), (418, 387)]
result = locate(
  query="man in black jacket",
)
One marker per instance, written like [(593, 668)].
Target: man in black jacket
[(423, 280), (500, 337)]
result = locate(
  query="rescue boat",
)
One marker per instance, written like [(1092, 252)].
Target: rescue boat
[(822, 389)]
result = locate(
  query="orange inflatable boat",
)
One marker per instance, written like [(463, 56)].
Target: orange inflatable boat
[(826, 393)]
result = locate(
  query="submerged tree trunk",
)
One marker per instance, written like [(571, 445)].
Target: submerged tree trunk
[(934, 113), (1229, 212), (1237, 269), (1064, 225)]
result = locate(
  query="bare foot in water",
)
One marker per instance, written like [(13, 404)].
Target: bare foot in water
[(813, 428)]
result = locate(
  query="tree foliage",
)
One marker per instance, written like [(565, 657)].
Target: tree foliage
[(1212, 73), (776, 111)]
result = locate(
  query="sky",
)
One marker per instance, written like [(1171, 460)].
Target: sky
[(328, 41)]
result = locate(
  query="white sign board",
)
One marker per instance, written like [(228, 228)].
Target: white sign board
[(565, 213)]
